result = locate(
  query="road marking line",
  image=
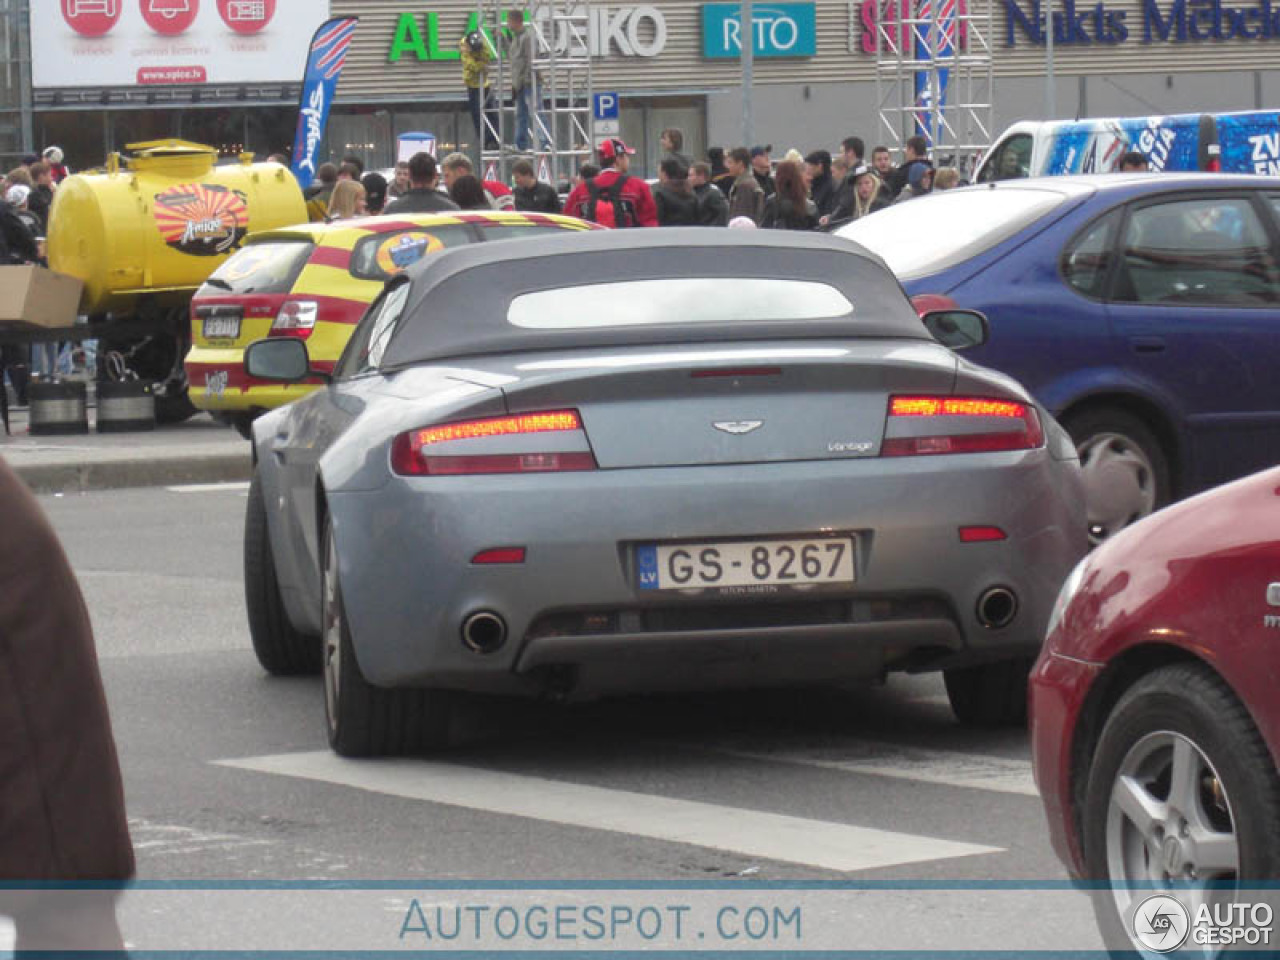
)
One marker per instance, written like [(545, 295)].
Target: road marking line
[(816, 843), (236, 487), (164, 839), (997, 774)]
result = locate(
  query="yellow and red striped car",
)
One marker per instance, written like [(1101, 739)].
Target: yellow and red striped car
[(315, 281)]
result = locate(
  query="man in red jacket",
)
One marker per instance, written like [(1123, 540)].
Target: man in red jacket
[(613, 197)]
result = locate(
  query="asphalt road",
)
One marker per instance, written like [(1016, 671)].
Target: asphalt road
[(228, 776)]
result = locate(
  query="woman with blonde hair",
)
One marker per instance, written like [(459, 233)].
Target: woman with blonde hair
[(347, 201)]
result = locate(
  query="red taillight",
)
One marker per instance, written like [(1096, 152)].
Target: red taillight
[(297, 318), (981, 534), (500, 555), (411, 454), (1027, 436)]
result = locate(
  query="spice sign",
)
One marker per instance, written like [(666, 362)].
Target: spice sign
[(779, 29), (121, 43)]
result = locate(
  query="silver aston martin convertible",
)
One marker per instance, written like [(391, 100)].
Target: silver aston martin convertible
[(651, 460)]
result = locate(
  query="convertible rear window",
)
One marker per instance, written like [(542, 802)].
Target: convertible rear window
[(685, 300), (933, 233)]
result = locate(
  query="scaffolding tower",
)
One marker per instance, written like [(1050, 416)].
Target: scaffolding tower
[(935, 76), (562, 133)]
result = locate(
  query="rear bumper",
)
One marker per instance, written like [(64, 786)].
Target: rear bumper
[(574, 605), (217, 382)]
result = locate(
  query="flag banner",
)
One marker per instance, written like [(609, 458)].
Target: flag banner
[(935, 42), (324, 69)]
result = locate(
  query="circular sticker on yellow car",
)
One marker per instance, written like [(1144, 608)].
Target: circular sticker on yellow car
[(405, 249)]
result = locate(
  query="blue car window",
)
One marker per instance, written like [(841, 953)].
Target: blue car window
[(1206, 250), (1087, 258)]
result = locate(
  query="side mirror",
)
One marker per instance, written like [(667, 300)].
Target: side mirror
[(957, 329), (284, 360)]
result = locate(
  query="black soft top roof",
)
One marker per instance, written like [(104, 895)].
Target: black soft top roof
[(460, 297)]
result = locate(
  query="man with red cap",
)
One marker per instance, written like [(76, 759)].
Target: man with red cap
[(613, 197)]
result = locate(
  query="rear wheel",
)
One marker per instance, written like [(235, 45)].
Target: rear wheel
[(362, 719), (281, 649), (1125, 470), (1182, 796), (990, 694)]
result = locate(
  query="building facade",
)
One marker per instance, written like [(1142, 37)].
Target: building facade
[(673, 63)]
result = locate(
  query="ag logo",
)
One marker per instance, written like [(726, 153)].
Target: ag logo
[(1161, 924), (170, 17), (247, 16), (91, 18)]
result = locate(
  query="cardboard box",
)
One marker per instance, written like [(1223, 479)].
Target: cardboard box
[(32, 296)]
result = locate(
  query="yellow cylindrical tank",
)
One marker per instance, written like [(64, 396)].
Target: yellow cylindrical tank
[(159, 223)]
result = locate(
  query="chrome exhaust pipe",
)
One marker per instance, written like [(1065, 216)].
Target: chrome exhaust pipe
[(484, 632), (997, 607)]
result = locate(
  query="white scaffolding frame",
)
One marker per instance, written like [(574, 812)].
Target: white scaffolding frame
[(563, 125), (928, 45)]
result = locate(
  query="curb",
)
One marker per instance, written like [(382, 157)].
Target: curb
[(121, 474)]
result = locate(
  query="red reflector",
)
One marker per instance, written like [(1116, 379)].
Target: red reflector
[(981, 534), (500, 555), (507, 463), (738, 372)]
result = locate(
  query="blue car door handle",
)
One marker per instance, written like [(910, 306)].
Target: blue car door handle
[(1147, 344)]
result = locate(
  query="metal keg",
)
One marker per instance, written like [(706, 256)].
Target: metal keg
[(125, 406), (58, 407)]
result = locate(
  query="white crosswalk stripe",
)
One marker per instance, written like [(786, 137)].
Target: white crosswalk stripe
[(816, 843), (946, 768), (210, 488)]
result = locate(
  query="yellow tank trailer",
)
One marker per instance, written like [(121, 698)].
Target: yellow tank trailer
[(147, 232)]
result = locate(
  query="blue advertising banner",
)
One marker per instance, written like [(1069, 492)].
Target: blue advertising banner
[(934, 41), (781, 30), (1168, 143), (324, 68), (1250, 142)]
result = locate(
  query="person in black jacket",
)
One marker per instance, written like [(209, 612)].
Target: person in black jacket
[(822, 188), (917, 151), (675, 200), (423, 197), (713, 205), (790, 207), (530, 193)]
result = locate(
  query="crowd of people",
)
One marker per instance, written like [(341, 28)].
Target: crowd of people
[(739, 187), (743, 187)]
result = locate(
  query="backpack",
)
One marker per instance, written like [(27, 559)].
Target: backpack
[(607, 206)]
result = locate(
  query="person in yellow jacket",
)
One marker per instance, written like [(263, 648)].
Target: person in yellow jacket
[(476, 57)]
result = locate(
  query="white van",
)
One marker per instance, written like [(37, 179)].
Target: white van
[(1246, 142)]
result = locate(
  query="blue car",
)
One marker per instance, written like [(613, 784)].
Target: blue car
[(1142, 310)]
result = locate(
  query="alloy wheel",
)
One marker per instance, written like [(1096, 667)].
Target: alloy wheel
[(1169, 824), (1119, 482)]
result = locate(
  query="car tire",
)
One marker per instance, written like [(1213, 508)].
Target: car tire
[(242, 423), (364, 720), (1124, 467), (990, 694), (1186, 711), (281, 649)]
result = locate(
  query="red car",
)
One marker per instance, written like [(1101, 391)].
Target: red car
[(1154, 710)]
